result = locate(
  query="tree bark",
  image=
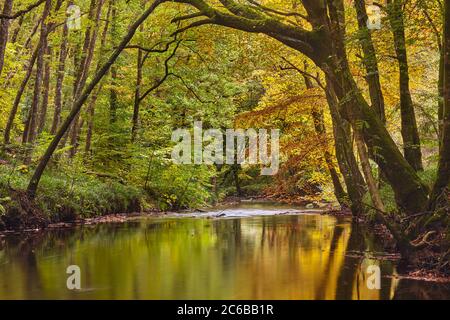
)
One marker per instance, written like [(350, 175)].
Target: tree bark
[(410, 132), (60, 80), (4, 32), (34, 181), (91, 109), (83, 71), (29, 134), (365, 164), (90, 120), (45, 92), (113, 98), (137, 94), (370, 60), (18, 97), (319, 127), (441, 96), (348, 165), (443, 173)]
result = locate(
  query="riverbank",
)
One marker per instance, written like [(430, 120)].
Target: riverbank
[(63, 197)]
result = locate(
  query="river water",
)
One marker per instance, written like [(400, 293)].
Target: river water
[(253, 251)]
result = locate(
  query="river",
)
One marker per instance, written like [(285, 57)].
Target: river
[(251, 251)]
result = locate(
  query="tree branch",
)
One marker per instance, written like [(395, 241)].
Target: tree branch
[(249, 20), (187, 17), (23, 11), (167, 73), (281, 13), (193, 25)]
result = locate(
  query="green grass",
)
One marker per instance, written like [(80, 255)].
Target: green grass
[(64, 197)]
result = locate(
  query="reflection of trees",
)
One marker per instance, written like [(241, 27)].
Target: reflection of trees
[(408, 289), (283, 257)]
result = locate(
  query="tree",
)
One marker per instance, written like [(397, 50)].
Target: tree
[(410, 133), (4, 31), (443, 172), (34, 182), (324, 45), (370, 60)]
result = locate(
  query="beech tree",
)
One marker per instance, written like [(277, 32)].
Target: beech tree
[(324, 44)]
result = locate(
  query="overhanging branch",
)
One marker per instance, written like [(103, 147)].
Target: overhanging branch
[(23, 11)]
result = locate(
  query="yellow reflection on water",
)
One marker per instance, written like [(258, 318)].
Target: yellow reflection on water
[(270, 257)]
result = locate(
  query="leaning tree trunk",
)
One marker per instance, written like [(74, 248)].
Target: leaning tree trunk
[(443, 173), (410, 193), (367, 169), (410, 133), (354, 181), (34, 182)]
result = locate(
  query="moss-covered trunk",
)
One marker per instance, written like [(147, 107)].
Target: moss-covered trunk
[(443, 174)]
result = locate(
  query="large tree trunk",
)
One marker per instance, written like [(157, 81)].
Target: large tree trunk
[(410, 193), (441, 96), (4, 31), (410, 132), (348, 165), (370, 60), (34, 182), (443, 173)]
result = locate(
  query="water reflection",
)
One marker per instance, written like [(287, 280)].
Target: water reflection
[(267, 257)]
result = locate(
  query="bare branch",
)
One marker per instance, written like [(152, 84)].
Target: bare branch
[(193, 25), (302, 72), (167, 73)]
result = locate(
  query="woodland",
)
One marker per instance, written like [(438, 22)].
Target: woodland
[(91, 91)]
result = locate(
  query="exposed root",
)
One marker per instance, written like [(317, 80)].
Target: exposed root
[(22, 213)]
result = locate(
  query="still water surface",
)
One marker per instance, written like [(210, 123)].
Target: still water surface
[(249, 252)]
